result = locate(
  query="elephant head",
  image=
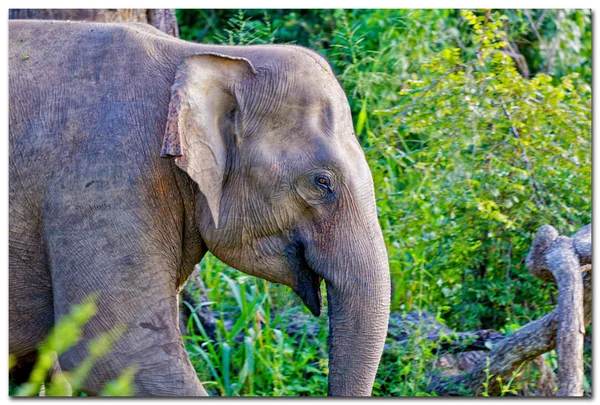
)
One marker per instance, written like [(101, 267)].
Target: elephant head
[(285, 192)]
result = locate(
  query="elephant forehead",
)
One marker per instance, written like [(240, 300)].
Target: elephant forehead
[(319, 133), (299, 118)]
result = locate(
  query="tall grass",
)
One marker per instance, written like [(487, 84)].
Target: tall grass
[(254, 352)]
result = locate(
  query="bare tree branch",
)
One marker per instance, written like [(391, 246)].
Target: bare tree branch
[(562, 261)]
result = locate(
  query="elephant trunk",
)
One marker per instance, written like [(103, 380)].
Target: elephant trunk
[(359, 307)]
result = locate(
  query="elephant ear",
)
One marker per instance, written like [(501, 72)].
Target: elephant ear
[(201, 98)]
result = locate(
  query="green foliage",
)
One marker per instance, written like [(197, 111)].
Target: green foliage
[(555, 42), (489, 156), (65, 334), (477, 129)]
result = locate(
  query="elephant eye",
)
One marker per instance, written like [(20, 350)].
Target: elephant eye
[(323, 181)]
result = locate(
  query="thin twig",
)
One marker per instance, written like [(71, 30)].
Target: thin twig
[(535, 28), (541, 19)]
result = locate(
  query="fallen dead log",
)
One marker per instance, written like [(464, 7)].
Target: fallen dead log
[(556, 258), (563, 259)]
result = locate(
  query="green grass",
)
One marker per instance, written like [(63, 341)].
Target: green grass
[(253, 352)]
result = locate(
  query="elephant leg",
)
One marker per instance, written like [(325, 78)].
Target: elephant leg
[(31, 313), (133, 268), (151, 343)]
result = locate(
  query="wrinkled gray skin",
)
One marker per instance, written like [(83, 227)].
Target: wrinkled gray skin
[(93, 206)]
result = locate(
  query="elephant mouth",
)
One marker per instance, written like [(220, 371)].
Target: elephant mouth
[(308, 283), (310, 293)]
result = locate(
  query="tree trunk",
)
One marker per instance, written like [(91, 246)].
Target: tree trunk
[(163, 19)]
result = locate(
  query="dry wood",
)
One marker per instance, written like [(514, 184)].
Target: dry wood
[(563, 257), (532, 340), (562, 261), (582, 241)]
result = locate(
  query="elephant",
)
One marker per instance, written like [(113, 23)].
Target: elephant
[(132, 154)]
